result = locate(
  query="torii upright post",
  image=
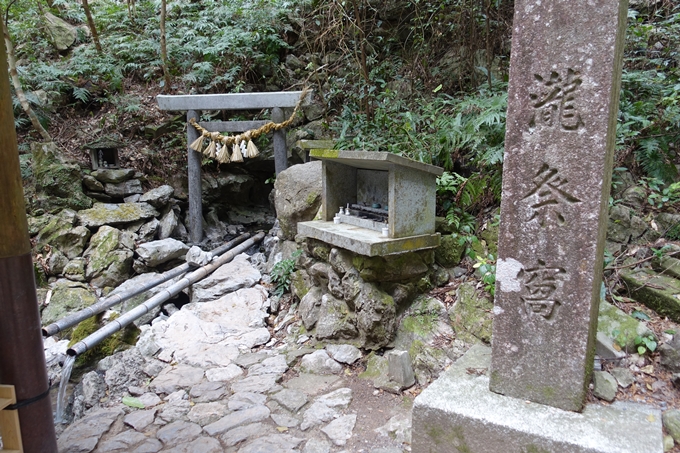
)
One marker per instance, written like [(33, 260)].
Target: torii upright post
[(22, 358)]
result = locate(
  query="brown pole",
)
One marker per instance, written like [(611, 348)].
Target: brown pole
[(22, 358)]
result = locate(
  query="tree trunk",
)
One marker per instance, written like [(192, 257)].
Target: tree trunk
[(164, 47), (93, 28), (12, 63)]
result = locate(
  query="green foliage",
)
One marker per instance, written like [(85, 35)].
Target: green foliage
[(659, 196), (486, 266), (645, 344), (281, 274)]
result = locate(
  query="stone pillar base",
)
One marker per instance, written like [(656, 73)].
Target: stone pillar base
[(458, 413)]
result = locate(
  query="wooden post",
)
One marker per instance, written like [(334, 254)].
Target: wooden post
[(194, 169), (279, 142), (22, 358), (9, 421)]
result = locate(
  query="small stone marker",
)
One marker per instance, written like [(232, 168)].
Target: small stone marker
[(565, 73)]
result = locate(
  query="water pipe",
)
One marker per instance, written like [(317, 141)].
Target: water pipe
[(165, 294), (115, 299)]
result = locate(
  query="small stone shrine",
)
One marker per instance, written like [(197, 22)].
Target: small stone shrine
[(375, 203), (104, 153), (525, 394)]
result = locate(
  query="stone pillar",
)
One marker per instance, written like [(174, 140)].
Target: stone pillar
[(194, 169), (565, 73), (279, 143)]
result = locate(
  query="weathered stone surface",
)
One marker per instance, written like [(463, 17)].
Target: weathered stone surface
[(671, 421), (450, 251), (399, 368), (75, 270), (167, 224), (316, 414), (231, 276), (113, 176), (471, 315), (272, 365), (670, 354), (293, 400), (124, 189), (319, 363), (297, 196), (223, 374), (316, 445), (619, 326), (340, 429), (623, 376), (258, 384), (158, 197), (397, 428), (61, 233), (123, 442), (236, 435), (202, 445), (285, 420), (605, 385), (94, 388), (137, 282), (376, 317), (655, 291), (92, 184), (279, 442), (344, 353), (67, 297), (62, 34), (236, 419), (196, 257), (115, 214), (109, 262), (340, 398), (561, 126), (393, 268), (83, 435), (57, 184), (178, 432), (459, 410), (309, 307), (148, 231), (336, 320), (206, 413), (140, 419), (208, 391), (244, 400), (56, 262), (173, 378), (161, 251)]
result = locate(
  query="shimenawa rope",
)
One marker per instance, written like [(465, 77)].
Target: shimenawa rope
[(242, 144)]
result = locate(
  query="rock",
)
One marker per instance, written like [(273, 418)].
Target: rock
[(173, 378), (394, 268), (336, 321), (124, 369), (397, 428), (376, 370), (292, 400), (167, 224), (316, 445), (470, 315), (197, 258), (316, 414), (319, 363), (244, 400), (671, 421), (223, 374), (62, 34), (94, 388), (340, 398), (113, 176), (206, 413), (208, 391), (202, 445), (275, 443), (236, 419), (140, 419), (61, 234), (285, 420), (109, 262), (272, 365), (231, 276), (450, 251), (123, 189), (619, 326), (56, 262), (83, 435), (312, 384), (173, 410), (138, 282), (134, 198), (310, 306), (158, 197), (668, 443), (245, 432), (344, 353), (297, 193), (57, 185), (376, 317), (149, 399), (125, 441), (148, 231), (115, 214), (257, 384), (399, 369), (178, 432), (623, 376), (161, 251), (670, 354), (92, 184), (75, 270), (340, 429), (605, 386), (67, 297)]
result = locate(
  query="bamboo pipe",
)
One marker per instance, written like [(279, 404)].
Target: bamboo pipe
[(110, 301), (119, 323)]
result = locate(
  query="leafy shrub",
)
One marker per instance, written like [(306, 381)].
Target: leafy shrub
[(281, 274)]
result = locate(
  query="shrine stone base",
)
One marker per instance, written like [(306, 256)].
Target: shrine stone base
[(458, 413)]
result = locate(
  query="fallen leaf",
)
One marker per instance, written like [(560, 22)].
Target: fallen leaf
[(649, 369), (281, 429), (651, 418)]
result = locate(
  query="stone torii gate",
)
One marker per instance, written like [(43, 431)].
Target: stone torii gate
[(194, 104)]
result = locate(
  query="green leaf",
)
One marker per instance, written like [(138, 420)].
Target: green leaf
[(641, 350), (133, 402), (640, 315), (651, 345), (670, 331)]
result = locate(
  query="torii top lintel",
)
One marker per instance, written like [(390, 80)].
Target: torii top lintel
[(232, 101)]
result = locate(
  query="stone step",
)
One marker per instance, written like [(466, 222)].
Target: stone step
[(661, 293)]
